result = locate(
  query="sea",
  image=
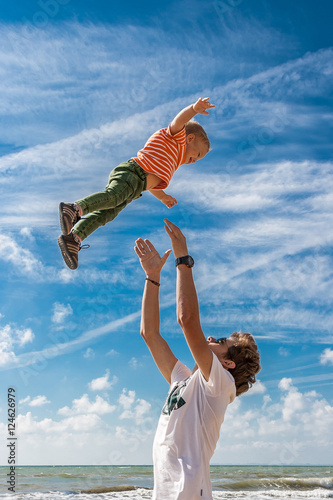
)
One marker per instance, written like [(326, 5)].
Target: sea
[(129, 482)]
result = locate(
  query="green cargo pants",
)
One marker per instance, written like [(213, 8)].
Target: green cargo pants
[(126, 183)]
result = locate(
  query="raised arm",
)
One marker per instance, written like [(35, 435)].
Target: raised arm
[(152, 264), (199, 107), (187, 304)]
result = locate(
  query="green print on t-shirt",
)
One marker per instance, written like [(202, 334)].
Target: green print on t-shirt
[(174, 400)]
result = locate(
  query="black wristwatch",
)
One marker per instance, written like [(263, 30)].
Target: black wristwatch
[(187, 260)]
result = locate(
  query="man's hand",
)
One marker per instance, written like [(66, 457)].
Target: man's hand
[(150, 259), (178, 240), (201, 106), (169, 200)]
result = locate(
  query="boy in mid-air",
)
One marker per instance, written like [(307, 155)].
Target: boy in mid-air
[(183, 142)]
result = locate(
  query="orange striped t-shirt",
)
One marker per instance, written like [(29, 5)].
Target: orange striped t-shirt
[(162, 154)]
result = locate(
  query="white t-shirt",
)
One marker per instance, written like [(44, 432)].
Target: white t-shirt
[(188, 430)]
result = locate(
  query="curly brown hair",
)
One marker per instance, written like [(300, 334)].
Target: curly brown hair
[(245, 354), (193, 127)]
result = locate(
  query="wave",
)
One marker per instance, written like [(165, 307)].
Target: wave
[(64, 475), (289, 483), (146, 494), (136, 494), (112, 489), (272, 494)]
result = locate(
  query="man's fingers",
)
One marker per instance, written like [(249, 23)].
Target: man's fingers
[(150, 246), (169, 223), (138, 253), (142, 247), (171, 227), (167, 228)]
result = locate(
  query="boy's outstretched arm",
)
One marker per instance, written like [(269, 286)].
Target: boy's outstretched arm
[(167, 199), (152, 264), (199, 107), (187, 304)]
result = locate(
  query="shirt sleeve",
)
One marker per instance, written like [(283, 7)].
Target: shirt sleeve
[(220, 381), (179, 372), (180, 137)]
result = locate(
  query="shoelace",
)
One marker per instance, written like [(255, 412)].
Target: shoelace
[(84, 247)]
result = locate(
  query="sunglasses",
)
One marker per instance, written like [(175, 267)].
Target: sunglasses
[(223, 340)]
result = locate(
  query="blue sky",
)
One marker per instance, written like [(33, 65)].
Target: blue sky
[(83, 85)]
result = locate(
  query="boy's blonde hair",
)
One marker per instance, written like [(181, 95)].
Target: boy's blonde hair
[(193, 127), (245, 354)]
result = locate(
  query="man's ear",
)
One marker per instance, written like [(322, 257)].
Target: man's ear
[(228, 364)]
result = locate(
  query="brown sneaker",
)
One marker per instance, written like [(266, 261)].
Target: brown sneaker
[(69, 250), (69, 216)]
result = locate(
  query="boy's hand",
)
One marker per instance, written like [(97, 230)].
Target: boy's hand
[(178, 240), (169, 201), (202, 105), (187, 114), (150, 259)]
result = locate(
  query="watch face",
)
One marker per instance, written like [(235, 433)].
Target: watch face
[(190, 261), (187, 260)]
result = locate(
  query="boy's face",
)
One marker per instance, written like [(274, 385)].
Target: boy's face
[(195, 149)]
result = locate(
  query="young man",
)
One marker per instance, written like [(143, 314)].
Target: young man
[(189, 425)]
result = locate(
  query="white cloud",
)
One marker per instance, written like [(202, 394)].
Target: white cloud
[(257, 388), (25, 400), (39, 401), (26, 263), (126, 400), (283, 351), (84, 406), (282, 432), (134, 363), (26, 232), (10, 336), (61, 312), (285, 384), (267, 185), (27, 359), (142, 410), (89, 354), (25, 336), (293, 404), (80, 150), (36, 401), (21, 259), (80, 423), (6, 344), (102, 383), (326, 357), (112, 352), (137, 409)]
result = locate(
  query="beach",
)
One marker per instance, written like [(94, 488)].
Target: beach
[(136, 482)]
